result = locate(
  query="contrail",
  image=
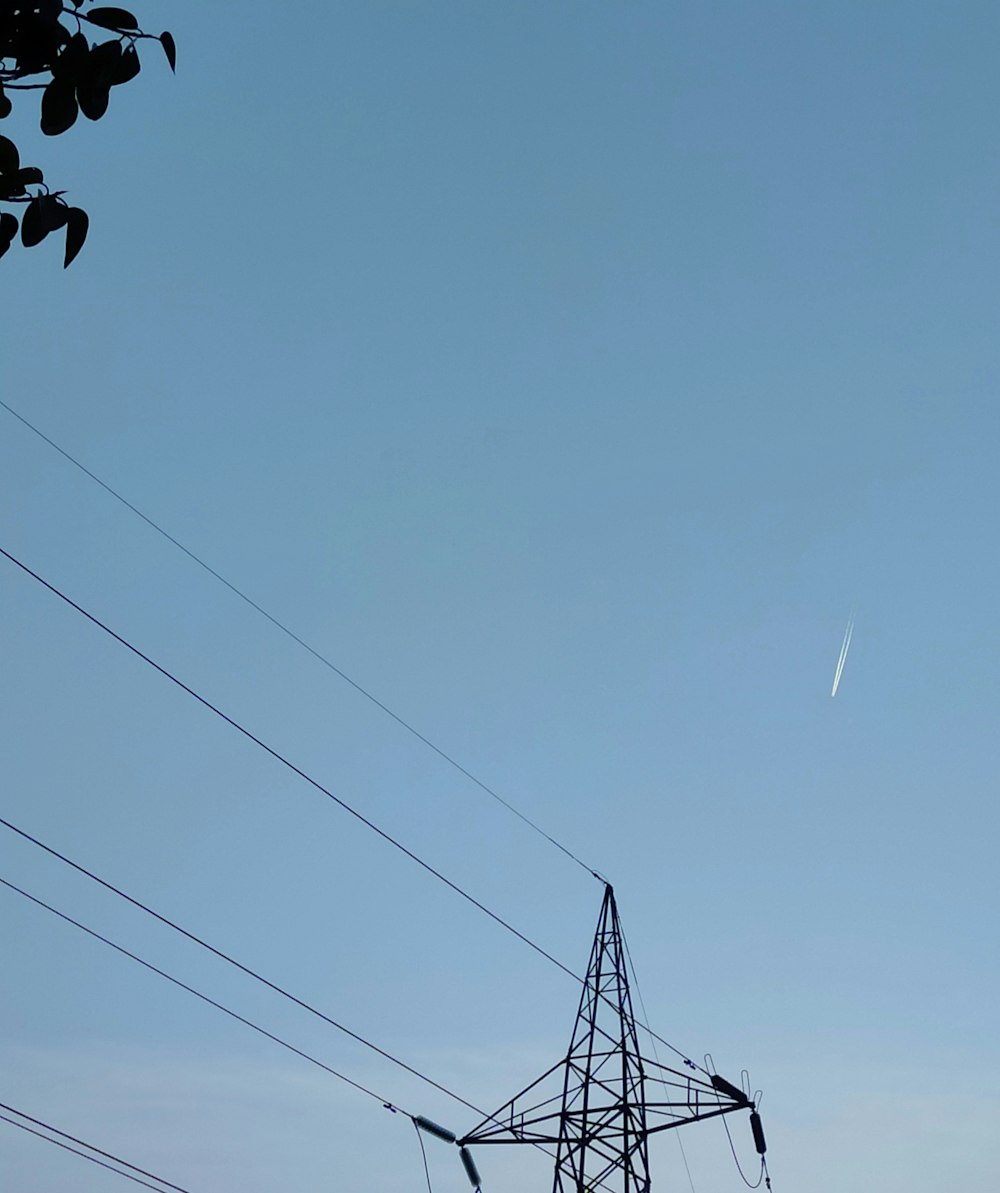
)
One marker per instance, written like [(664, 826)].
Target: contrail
[(844, 648)]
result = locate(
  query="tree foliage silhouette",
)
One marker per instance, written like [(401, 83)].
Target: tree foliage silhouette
[(47, 46)]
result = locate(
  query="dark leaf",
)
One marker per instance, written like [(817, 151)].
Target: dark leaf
[(31, 40), (72, 62), (53, 213), (29, 175), (167, 41), (10, 159), (105, 60), (112, 18), (10, 188), (93, 95), (94, 86), (77, 223), (38, 38), (127, 67), (6, 107), (8, 230), (59, 109), (33, 229)]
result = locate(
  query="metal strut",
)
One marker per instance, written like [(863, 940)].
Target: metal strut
[(592, 1105)]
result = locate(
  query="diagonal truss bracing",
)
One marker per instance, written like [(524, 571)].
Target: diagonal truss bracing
[(593, 1104)]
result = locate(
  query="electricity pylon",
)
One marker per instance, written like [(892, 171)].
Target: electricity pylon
[(593, 1105)]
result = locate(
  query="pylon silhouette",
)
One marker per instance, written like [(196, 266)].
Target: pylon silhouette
[(592, 1105)]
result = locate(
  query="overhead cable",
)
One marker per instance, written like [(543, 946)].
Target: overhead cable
[(384, 1102), (318, 655), (279, 757), (236, 964), (197, 993), (161, 1185), (658, 1076), (287, 763), (423, 1154)]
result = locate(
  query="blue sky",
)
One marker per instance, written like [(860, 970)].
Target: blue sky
[(566, 374)]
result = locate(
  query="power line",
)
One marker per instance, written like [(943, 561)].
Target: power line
[(656, 1056), (318, 655), (197, 993), (384, 1102), (287, 763), (236, 964), (279, 757), (739, 1167), (159, 1187), (423, 1154)]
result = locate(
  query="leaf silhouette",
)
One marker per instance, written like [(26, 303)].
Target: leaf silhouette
[(33, 229), (94, 87), (112, 18), (10, 159), (77, 223), (48, 38), (73, 60), (93, 99), (54, 213), (170, 49), (8, 230), (127, 68), (59, 110), (105, 59)]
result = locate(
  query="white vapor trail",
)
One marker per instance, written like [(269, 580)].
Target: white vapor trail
[(844, 648)]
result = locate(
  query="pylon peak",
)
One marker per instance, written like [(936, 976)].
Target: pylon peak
[(592, 1106)]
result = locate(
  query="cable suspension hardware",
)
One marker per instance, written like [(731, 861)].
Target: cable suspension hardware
[(439, 1132)]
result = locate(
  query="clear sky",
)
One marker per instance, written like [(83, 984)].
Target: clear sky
[(566, 373)]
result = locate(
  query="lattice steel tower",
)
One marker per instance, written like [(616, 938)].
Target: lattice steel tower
[(593, 1106)]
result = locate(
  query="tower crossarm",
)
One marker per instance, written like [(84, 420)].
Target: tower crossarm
[(593, 1106), (683, 1120)]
